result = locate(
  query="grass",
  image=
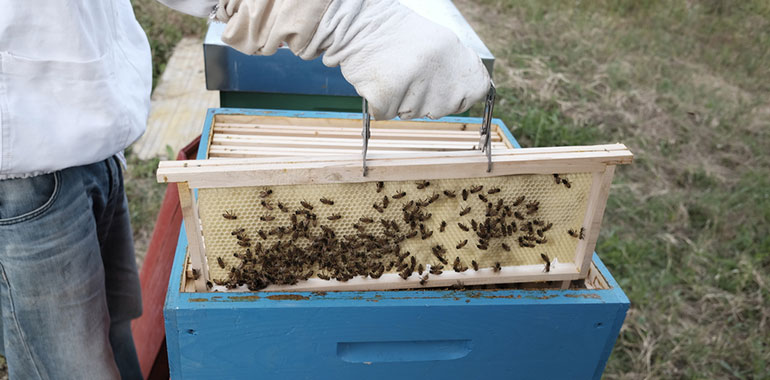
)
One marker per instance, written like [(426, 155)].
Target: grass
[(687, 229)]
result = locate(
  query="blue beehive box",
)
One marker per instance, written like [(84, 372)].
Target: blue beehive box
[(529, 333)]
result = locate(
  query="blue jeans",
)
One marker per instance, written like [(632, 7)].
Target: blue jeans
[(69, 285)]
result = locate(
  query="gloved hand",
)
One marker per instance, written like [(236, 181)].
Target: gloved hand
[(402, 63)]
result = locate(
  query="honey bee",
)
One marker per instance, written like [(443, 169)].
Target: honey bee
[(497, 267), (394, 225), (547, 262), (465, 194), (326, 201), (196, 274), (266, 205), (462, 227), (518, 215), (465, 211), (262, 234), (556, 178), (462, 244), (436, 269), (433, 198), (399, 195), (482, 247), (366, 220), (282, 207), (424, 279), (323, 276), (244, 243), (229, 215), (476, 189), (334, 217), (209, 285), (221, 262), (582, 233), (420, 269), (518, 201), (572, 233), (385, 202), (380, 186), (265, 193), (242, 238), (566, 183), (450, 194), (411, 234), (306, 205), (266, 218), (494, 190), (475, 265), (427, 234), (378, 208), (237, 231), (506, 247), (442, 227), (422, 185), (547, 227), (483, 198), (474, 225)]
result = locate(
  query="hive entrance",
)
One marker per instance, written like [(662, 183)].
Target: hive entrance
[(275, 239)]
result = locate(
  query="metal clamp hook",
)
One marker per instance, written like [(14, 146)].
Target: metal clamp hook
[(365, 133), (485, 142)]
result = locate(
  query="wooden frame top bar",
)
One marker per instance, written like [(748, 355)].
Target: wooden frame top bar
[(390, 167)]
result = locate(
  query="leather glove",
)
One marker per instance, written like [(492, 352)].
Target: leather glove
[(402, 63)]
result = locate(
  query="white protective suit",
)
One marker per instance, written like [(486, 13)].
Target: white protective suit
[(75, 77)]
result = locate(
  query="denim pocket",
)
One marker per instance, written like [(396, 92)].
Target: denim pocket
[(26, 198)]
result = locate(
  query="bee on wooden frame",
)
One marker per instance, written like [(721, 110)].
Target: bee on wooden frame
[(475, 265), (582, 234), (497, 267), (424, 279), (547, 262)]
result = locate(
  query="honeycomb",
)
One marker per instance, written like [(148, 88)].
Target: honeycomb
[(559, 204)]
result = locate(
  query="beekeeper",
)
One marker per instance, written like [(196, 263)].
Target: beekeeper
[(75, 81)]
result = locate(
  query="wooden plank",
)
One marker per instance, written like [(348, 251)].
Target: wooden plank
[(286, 142), (533, 273), (597, 201), (390, 170), (193, 229), (388, 156), (339, 122), (273, 130)]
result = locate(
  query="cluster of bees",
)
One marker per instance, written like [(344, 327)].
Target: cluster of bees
[(327, 255)]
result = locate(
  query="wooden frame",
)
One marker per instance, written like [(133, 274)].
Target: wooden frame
[(599, 160)]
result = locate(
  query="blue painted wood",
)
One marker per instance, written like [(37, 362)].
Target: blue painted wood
[(548, 334)]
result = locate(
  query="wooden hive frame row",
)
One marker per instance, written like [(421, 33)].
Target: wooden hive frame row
[(599, 160)]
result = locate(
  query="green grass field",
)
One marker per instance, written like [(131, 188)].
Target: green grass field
[(686, 85)]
